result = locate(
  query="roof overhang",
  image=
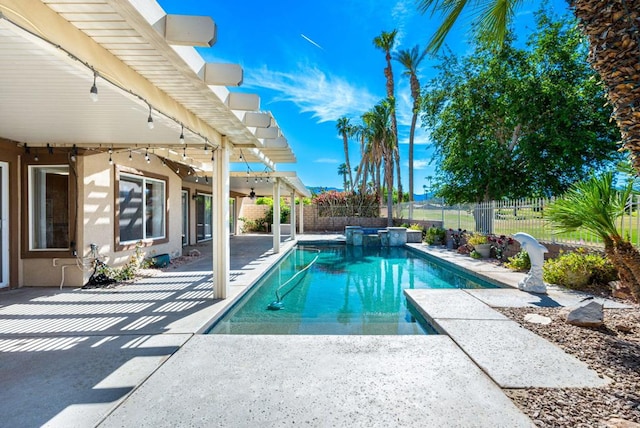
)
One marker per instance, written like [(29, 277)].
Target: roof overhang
[(144, 64)]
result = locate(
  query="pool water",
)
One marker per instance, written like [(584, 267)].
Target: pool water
[(341, 290)]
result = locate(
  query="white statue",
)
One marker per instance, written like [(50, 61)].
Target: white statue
[(533, 282)]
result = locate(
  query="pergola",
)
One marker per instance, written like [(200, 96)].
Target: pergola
[(153, 93)]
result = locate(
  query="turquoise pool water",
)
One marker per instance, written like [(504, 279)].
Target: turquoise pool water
[(341, 290)]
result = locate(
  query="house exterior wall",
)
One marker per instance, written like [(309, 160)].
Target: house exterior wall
[(96, 220), (10, 154)]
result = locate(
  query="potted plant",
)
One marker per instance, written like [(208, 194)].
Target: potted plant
[(480, 244)]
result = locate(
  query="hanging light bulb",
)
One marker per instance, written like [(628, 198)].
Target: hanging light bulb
[(146, 155), (184, 153), (93, 92), (74, 153), (110, 158), (206, 179), (206, 149), (182, 135), (163, 162), (255, 180), (36, 158), (240, 155), (196, 178), (130, 157), (150, 119)]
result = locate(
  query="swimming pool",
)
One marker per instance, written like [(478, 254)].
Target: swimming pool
[(341, 290)]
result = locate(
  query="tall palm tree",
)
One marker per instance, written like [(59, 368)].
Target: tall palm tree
[(385, 42), (344, 128), (343, 171), (614, 41), (595, 205), (411, 59), (379, 121)]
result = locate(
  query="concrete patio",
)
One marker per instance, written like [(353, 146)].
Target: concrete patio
[(134, 356)]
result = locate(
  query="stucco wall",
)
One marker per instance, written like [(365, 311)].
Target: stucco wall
[(96, 220)]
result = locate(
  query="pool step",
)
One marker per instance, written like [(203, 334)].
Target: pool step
[(511, 355)]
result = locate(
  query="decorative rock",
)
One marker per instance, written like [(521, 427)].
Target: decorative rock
[(621, 423), (620, 291), (537, 319), (589, 315)]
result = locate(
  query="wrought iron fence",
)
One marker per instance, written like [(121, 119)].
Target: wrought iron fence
[(511, 216)]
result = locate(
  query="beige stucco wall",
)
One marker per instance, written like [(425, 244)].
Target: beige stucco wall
[(96, 194)]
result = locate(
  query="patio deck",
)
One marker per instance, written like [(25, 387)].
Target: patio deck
[(133, 356)]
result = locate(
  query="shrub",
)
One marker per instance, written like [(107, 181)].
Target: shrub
[(128, 270), (519, 262), (579, 270), (435, 235), (477, 239), (475, 255)]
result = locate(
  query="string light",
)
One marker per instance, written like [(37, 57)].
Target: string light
[(146, 155), (93, 92), (110, 158), (36, 158), (130, 157), (74, 153), (184, 153), (150, 119), (182, 134)]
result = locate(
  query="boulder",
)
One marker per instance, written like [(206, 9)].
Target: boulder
[(586, 315)]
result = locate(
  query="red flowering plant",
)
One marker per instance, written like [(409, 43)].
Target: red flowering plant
[(500, 244)]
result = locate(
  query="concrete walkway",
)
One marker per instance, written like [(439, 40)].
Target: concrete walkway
[(132, 356)]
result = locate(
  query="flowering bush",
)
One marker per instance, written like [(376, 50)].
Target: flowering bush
[(500, 244), (347, 204)]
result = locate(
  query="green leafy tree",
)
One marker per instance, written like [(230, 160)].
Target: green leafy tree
[(611, 28), (518, 123), (595, 205)]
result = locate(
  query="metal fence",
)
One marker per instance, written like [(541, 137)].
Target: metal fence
[(509, 217)]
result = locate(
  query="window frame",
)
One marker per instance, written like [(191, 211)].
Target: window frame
[(204, 196), (145, 176), (53, 161)]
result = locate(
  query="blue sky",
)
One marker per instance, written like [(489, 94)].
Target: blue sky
[(312, 63)]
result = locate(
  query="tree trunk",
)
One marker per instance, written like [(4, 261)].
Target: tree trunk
[(614, 44), (626, 258), (414, 119)]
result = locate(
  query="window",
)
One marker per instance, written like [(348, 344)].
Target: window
[(204, 217), (141, 202), (48, 207)]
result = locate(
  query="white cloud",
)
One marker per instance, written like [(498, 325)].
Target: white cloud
[(327, 160), (326, 97), (420, 163)]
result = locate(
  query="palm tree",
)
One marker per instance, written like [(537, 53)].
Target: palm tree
[(343, 171), (411, 60), (612, 30), (345, 129), (382, 139), (385, 42), (595, 205)]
